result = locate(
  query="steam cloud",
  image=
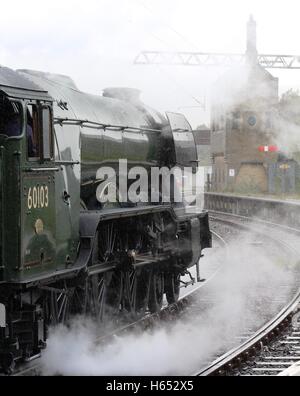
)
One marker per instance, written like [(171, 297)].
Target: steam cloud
[(251, 282), (251, 87)]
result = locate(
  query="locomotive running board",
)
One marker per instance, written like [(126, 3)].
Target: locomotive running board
[(89, 220)]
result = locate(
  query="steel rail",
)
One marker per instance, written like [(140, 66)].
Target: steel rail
[(235, 356), (232, 359)]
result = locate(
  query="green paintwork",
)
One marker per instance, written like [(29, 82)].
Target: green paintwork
[(144, 138), (26, 197), (10, 208), (38, 251)]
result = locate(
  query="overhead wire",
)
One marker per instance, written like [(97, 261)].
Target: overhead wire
[(182, 88), (170, 27), (169, 75)]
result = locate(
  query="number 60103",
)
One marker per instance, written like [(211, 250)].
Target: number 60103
[(38, 197)]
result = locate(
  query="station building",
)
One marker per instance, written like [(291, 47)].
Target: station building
[(243, 121), (242, 130)]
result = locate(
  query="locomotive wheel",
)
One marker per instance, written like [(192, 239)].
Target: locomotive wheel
[(58, 305), (130, 290), (96, 296), (136, 290), (106, 244), (143, 291), (100, 296), (156, 292), (100, 293), (107, 289), (172, 287), (79, 301), (114, 292)]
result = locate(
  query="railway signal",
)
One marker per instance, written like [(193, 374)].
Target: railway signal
[(268, 149)]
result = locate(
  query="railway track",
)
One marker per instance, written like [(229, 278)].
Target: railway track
[(277, 356), (168, 313), (275, 346), (250, 351), (254, 357)]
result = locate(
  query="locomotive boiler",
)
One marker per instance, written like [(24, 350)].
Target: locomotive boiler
[(64, 251)]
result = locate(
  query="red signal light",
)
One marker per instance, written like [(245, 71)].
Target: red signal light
[(268, 149), (273, 149)]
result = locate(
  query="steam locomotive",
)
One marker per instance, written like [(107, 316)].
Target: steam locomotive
[(63, 251)]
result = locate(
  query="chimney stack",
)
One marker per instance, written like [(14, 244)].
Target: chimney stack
[(251, 53)]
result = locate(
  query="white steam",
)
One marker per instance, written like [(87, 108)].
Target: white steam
[(252, 88), (251, 283), (287, 135)]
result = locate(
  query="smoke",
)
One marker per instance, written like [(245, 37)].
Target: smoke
[(287, 125), (250, 286), (251, 88), (247, 116), (248, 85), (287, 137)]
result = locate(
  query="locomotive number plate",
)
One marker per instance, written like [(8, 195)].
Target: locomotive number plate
[(38, 197)]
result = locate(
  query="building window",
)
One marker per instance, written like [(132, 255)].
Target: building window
[(252, 120)]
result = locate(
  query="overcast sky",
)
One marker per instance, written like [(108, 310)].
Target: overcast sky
[(96, 41)]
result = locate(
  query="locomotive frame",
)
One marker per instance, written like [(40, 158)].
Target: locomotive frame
[(61, 253)]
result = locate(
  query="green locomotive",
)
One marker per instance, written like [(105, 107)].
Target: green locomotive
[(63, 251)]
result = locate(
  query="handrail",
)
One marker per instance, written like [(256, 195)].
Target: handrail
[(42, 170), (98, 125)]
